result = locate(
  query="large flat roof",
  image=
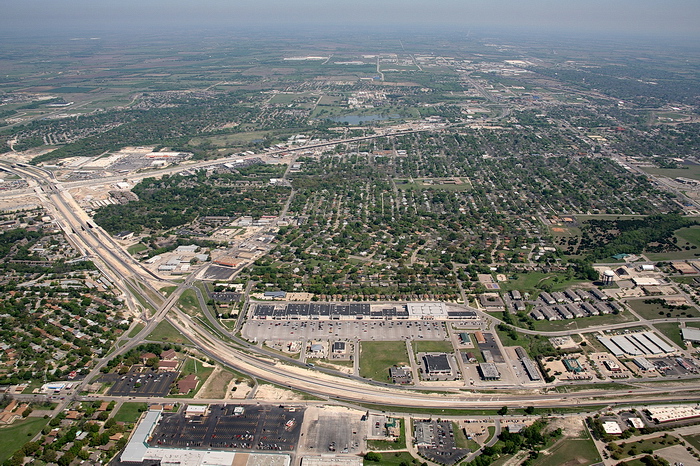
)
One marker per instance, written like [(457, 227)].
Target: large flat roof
[(137, 448), (691, 334), (437, 363)]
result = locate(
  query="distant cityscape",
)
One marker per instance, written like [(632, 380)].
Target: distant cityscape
[(347, 251)]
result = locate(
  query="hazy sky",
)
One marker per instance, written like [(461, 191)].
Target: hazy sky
[(650, 17)]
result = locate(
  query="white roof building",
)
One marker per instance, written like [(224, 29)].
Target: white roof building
[(691, 334), (612, 428), (636, 422), (196, 410)]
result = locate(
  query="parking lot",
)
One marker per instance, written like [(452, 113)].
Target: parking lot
[(256, 428), (492, 345), (671, 368), (331, 430), (443, 449), (343, 330), (136, 383)]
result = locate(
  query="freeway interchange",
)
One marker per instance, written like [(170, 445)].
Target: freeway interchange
[(139, 285)]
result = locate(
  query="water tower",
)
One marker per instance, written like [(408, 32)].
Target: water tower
[(608, 276)]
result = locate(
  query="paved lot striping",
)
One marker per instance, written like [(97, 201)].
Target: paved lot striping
[(134, 383), (256, 428), (338, 330)]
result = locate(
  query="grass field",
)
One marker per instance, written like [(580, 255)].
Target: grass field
[(672, 331), (140, 298), (688, 239), (168, 290), (694, 440), (188, 302), (640, 446), (690, 236), (635, 462), (492, 432), (137, 328), (166, 332), (232, 140), (657, 311), (693, 171), (376, 357), (130, 412), (218, 385), (13, 437), (136, 248), (570, 451), (673, 255), (391, 459), (423, 346), (461, 440), (590, 386), (194, 366)]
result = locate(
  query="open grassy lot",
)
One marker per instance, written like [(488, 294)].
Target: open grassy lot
[(240, 138), (461, 440), (188, 302), (689, 236), (168, 290), (140, 298), (136, 248), (422, 346), (166, 332), (376, 357), (694, 440), (130, 412), (135, 331), (673, 255), (218, 385), (672, 331), (658, 311), (195, 366), (645, 445), (688, 239), (391, 459), (570, 451), (330, 364), (13, 437), (692, 171)]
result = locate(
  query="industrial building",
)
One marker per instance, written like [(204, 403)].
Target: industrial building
[(636, 344), (531, 369), (489, 371)]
